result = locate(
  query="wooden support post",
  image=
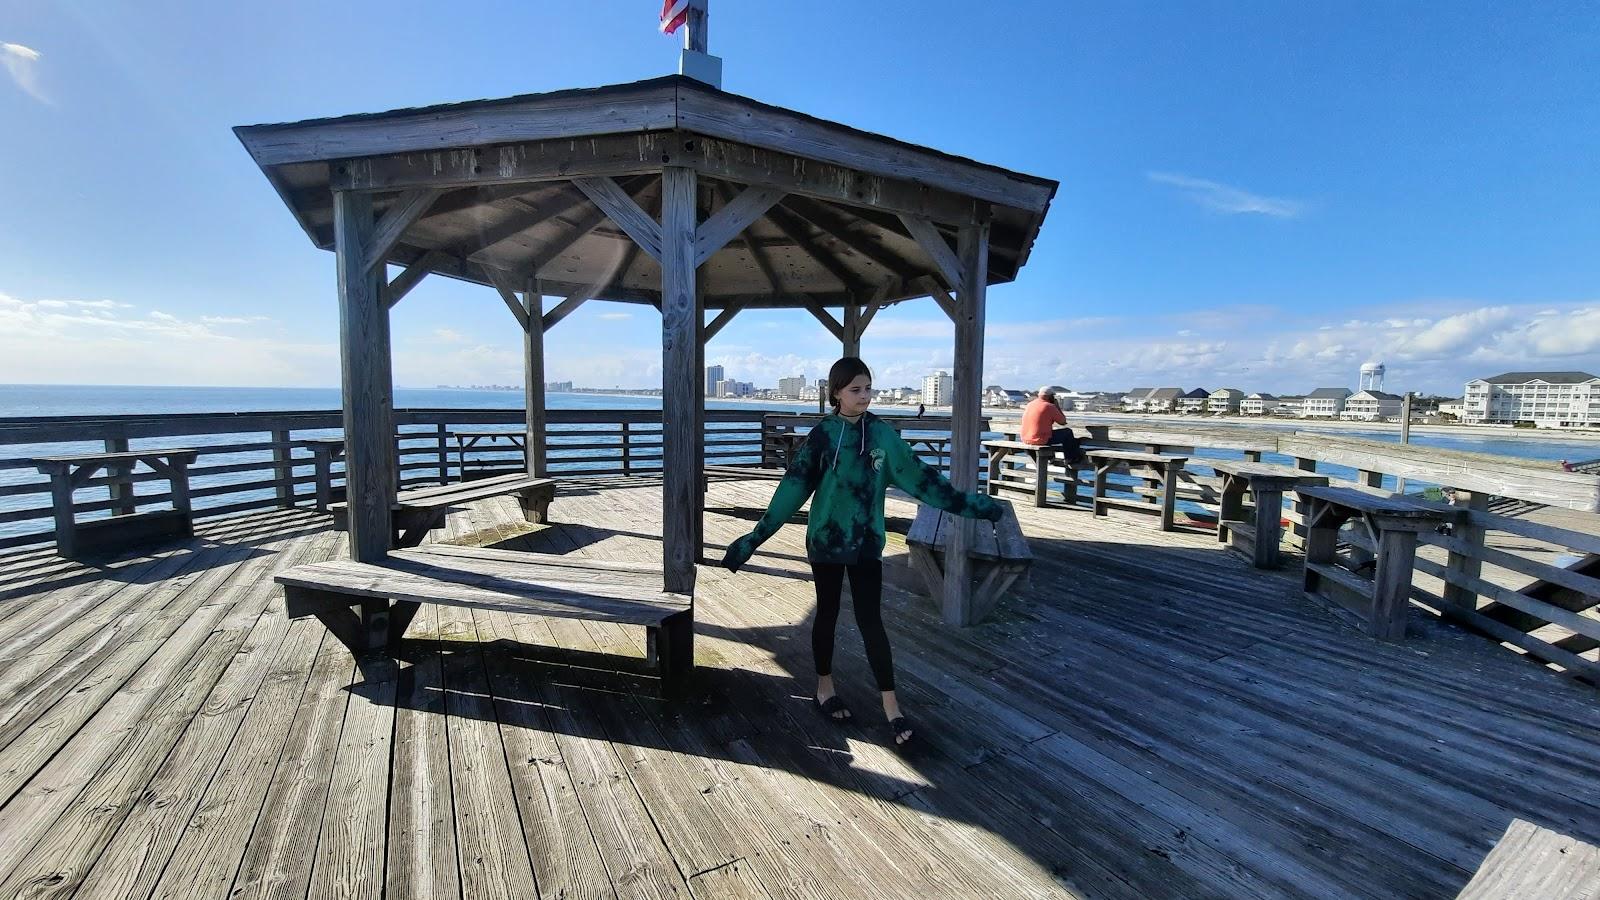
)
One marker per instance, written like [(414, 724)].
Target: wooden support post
[(120, 488), (1461, 563), (1267, 554), (283, 468), (366, 379), (534, 453), (682, 453), (444, 453), (1391, 582), (973, 249), (178, 475), (852, 330), (627, 451)]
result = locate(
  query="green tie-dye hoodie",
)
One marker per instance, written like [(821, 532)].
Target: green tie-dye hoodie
[(847, 466)]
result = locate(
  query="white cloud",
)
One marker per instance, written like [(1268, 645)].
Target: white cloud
[(616, 315), (1222, 198), (233, 320), (22, 64), (449, 336)]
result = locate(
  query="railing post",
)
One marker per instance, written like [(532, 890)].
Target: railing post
[(1471, 533), (444, 453), (627, 451), (120, 487), (282, 468)]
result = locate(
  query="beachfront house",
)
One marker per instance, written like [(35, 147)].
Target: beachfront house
[(1454, 408), (1162, 400), (1546, 399), (1257, 404), (1193, 401), (1134, 400), (1224, 400), (1325, 403), (1372, 406), (1104, 401)]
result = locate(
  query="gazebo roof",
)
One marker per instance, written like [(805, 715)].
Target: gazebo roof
[(503, 205)]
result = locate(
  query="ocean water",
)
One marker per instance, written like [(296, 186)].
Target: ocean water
[(17, 401)]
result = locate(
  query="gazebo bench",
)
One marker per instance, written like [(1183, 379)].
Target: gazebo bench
[(1164, 469), (420, 510), (999, 553), (1257, 540), (758, 473), (1043, 457), (368, 606)]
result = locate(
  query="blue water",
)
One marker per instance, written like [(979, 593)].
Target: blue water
[(51, 400)]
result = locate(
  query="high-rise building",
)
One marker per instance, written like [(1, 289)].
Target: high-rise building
[(714, 374), (938, 389), (792, 387)]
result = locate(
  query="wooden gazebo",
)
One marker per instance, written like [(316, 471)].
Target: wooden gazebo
[(665, 192)]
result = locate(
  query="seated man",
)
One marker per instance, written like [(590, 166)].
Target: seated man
[(1043, 412)]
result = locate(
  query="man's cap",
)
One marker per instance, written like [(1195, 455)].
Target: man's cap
[(1047, 391)]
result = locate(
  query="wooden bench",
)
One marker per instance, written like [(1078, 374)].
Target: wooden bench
[(420, 510), (126, 528), (999, 552), (368, 606), (1043, 457), (757, 473), (324, 453), (1164, 470), (1388, 529), (1259, 540)]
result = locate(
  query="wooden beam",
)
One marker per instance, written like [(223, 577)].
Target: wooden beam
[(533, 381), (682, 443), (940, 296), (933, 244), (880, 299), (565, 308), (411, 276), (366, 380), (794, 230), (851, 337), (411, 205), (502, 285), (588, 221), (723, 318), (732, 219), (826, 318), (966, 412), (622, 210), (839, 227)]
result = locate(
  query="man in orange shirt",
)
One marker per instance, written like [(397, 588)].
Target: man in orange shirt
[(1042, 413)]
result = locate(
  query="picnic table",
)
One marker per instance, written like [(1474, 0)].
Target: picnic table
[(125, 528), (472, 439), (324, 453), (1388, 528), (1258, 538), (1164, 469)]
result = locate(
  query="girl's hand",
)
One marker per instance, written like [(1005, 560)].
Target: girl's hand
[(739, 553)]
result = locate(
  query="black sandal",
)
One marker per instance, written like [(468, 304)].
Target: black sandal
[(828, 709), (898, 725)]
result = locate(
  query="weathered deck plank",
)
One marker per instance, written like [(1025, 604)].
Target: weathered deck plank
[(1150, 717)]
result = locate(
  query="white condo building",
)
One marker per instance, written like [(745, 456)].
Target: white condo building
[(1547, 399), (938, 389), (792, 387), (1325, 403)]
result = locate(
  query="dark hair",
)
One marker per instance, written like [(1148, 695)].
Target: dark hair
[(843, 372)]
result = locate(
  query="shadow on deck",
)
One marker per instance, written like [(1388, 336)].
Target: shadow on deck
[(1148, 718)]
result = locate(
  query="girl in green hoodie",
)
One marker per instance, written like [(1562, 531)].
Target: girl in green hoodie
[(846, 463)]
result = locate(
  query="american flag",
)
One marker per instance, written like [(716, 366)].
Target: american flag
[(673, 14)]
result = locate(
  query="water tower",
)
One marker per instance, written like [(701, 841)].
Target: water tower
[(1372, 376)]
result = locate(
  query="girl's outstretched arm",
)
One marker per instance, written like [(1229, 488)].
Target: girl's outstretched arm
[(924, 482), (805, 470)]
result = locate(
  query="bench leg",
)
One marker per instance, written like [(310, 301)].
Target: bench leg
[(374, 624), (1269, 529), (1391, 584), (1041, 479), (1069, 488), (1169, 495), (926, 565), (1231, 506), (995, 460), (400, 616), (411, 527), (670, 646), (1101, 470), (535, 506)]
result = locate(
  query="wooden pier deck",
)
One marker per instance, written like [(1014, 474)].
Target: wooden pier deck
[(1150, 717)]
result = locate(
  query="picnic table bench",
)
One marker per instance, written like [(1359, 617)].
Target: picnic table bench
[(758, 473), (482, 468), (126, 527), (1013, 478), (999, 552), (1259, 540), (324, 453), (420, 510), (368, 606), (1388, 529), (1164, 471)]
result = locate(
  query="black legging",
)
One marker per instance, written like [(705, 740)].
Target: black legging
[(866, 594)]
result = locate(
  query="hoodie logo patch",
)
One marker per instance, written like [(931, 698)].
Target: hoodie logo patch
[(877, 458)]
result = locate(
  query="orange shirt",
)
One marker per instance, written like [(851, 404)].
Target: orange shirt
[(1037, 420)]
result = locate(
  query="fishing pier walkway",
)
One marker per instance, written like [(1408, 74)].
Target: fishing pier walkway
[(1146, 715)]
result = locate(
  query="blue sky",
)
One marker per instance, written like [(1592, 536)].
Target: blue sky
[(1256, 195)]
